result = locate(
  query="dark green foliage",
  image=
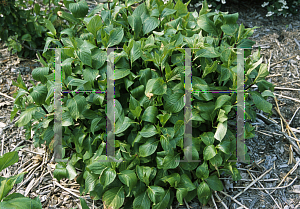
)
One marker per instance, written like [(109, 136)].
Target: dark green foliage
[(149, 100)]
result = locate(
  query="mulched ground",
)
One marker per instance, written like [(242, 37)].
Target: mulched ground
[(274, 180)]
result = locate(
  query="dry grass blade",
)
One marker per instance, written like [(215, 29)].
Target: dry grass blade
[(7, 96), (283, 60), (234, 199), (253, 182), (290, 172), (220, 200), (252, 176)]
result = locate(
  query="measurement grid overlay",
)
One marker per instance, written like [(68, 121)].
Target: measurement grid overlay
[(110, 127)]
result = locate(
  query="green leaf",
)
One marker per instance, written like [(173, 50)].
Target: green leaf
[(174, 102), (231, 18), (50, 26), (122, 126), (6, 184), (150, 24), (121, 73), (254, 66), (203, 192), (144, 173), (142, 201), (208, 138), (20, 83), (76, 105), (179, 128), (75, 82), (202, 171), (262, 73), (163, 118), (181, 8), (98, 58), (167, 12), (210, 69), (20, 202), (150, 114), (128, 177), (164, 201), (60, 172), (85, 56), (114, 197), (186, 182), (115, 37), (8, 159), (221, 100), (90, 74), (180, 194), (39, 74), (156, 86), (107, 177), (83, 203), (222, 117), (136, 24), (267, 93), (214, 183), (135, 107), (173, 179), (68, 16), (135, 52), (97, 167), (171, 161), (224, 146), (94, 124), (71, 171), (221, 131), (229, 29), (26, 37), (94, 25), (209, 152), (79, 9), (148, 131), (148, 148), (26, 116), (39, 94), (90, 181), (260, 102), (37, 8), (216, 161), (206, 24), (155, 193)]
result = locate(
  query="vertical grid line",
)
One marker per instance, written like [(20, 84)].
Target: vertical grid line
[(240, 107), (58, 108)]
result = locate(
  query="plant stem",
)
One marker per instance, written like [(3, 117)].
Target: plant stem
[(221, 38), (249, 86)]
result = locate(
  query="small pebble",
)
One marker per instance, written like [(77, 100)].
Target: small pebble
[(13, 70)]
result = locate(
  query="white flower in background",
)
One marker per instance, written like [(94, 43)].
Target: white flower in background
[(285, 7), (209, 6), (265, 4), (218, 0), (282, 1), (279, 10), (270, 14), (197, 5), (223, 2)]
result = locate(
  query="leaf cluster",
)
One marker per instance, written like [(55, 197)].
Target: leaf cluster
[(14, 200), (149, 100)]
